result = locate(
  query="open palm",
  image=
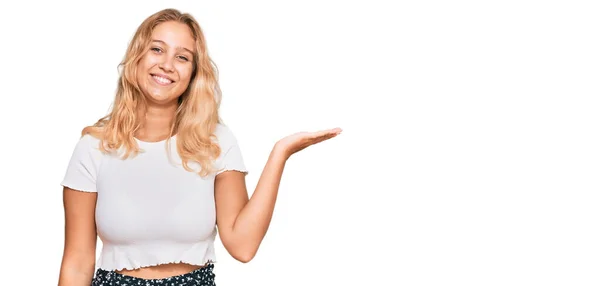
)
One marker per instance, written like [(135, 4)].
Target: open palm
[(300, 140)]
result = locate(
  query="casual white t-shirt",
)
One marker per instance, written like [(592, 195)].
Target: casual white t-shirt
[(149, 209)]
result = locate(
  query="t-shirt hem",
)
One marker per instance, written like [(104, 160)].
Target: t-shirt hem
[(77, 187)]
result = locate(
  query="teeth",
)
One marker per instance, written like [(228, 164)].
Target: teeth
[(161, 79)]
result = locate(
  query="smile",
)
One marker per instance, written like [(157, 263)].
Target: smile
[(161, 80)]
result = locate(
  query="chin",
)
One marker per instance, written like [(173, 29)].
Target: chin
[(162, 98), (158, 96)]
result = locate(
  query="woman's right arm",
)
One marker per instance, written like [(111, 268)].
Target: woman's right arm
[(79, 255)]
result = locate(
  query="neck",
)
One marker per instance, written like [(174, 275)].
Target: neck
[(157, 122)]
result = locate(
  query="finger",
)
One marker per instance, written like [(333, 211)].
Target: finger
[(323, 138), (327, 136), (336, 130), (331, 134), (327, 132)]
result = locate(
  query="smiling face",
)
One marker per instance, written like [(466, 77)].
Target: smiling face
[(165, 70)]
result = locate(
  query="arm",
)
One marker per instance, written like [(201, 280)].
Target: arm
[(243, 223), (78, 262)]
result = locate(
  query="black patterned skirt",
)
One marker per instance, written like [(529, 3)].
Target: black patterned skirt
[(200, 277)]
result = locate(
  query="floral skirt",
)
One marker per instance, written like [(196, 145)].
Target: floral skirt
[(200, 277)]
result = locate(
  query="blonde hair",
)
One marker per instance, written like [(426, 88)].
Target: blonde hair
[(196, 117)]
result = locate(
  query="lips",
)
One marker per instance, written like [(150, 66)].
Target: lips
[(161, 79)]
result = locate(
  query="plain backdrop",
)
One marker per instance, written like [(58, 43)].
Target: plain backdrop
[(469, 156)]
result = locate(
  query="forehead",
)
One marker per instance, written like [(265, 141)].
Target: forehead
[(174, 34)]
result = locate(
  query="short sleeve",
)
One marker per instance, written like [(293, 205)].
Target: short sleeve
[(231, 158), (83, 165)]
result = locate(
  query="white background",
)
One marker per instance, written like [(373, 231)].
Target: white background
[(469, 156)]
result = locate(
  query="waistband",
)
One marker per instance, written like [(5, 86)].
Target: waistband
[(204, 275)]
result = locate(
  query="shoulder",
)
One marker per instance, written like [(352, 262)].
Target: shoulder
[(88, 146), (230, 157), (83, 166), (225, 135), (88, 142)]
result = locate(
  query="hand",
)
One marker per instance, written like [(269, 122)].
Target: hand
[(300, 140)]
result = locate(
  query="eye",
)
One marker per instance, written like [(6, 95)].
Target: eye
[(158, 50), (183, 58)]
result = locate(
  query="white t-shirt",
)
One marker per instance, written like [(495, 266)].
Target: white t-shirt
[(150, 211)]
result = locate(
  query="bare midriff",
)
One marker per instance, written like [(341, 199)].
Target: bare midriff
[(160, 271)]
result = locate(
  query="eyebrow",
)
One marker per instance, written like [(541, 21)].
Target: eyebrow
[(179, 48)]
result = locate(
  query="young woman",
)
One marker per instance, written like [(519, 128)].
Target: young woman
[(158, 175)]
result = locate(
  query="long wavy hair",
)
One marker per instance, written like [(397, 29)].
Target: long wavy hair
[(196, 117)]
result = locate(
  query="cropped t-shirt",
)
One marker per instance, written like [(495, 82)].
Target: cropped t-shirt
[(149, 209)]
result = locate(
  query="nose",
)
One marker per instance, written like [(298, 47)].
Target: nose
[(166, 64)]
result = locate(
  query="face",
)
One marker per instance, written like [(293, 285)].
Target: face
[(164, 72)]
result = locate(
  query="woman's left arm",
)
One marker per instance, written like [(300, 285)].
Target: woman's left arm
[(243, 222)]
